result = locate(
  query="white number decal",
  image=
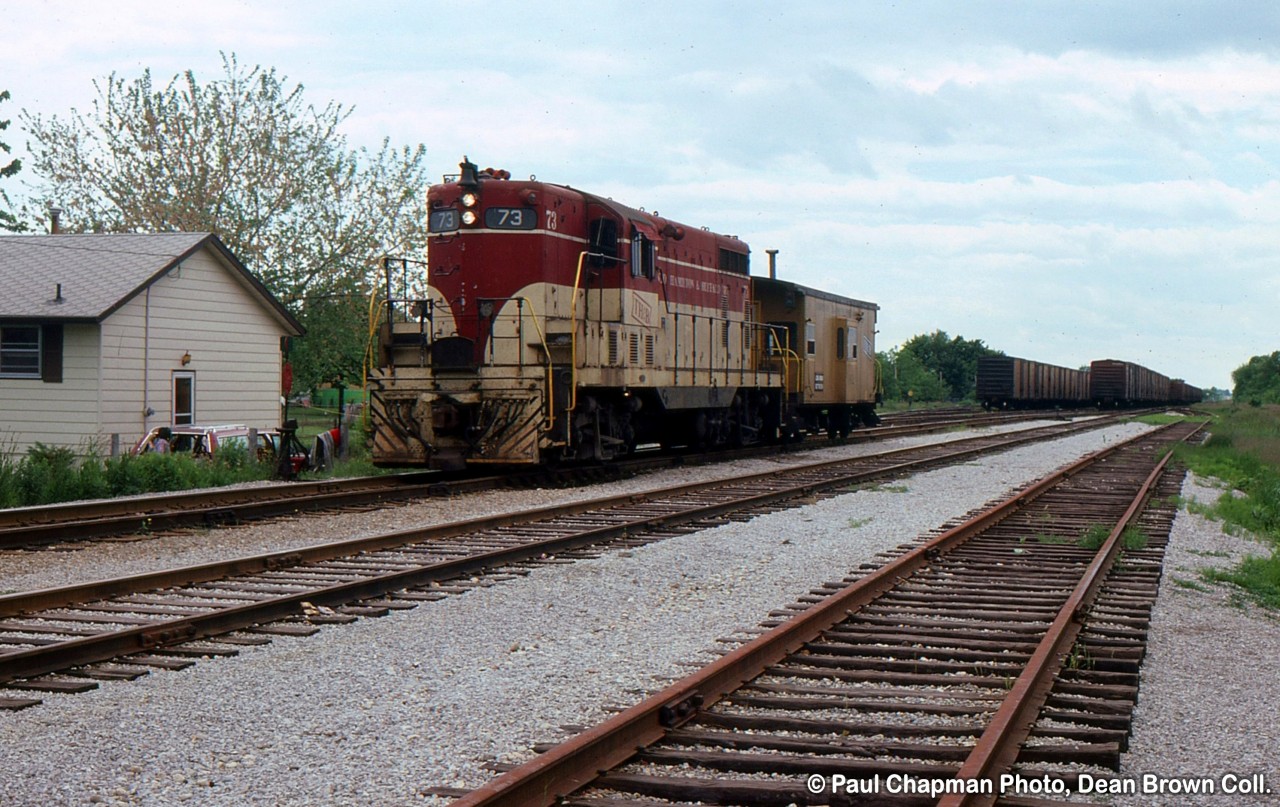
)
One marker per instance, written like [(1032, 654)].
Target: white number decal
[(551, 219)]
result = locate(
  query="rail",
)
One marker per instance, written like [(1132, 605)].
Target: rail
[(560, 771)]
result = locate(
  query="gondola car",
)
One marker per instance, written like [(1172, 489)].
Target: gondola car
[(551, 323)]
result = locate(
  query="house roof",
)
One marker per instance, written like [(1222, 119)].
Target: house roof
[(99, 272)]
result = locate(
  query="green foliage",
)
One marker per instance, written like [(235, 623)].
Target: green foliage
[(1258, 576), (1134, 538), (333, 352), (1095, 536), (244, 156), (905, 378), (934, 367), (48, 475), (1258, 381), (7, 220), (1244, 451)]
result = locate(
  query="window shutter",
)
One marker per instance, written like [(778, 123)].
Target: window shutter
[(51, 353)]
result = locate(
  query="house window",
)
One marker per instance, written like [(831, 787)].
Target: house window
[(20, 351), (184, 398)]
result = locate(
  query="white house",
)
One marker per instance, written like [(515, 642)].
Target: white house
[(104, 336)]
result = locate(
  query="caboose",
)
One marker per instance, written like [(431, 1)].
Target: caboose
[(551, 323)]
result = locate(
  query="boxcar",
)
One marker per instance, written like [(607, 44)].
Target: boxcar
[(1009, 382), (1122, 383)]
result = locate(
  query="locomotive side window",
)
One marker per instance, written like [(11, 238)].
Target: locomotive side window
[(839, 343), (811, 339), (736, 262), (642, 256), (511, 218), (603, 244), (443, 220)]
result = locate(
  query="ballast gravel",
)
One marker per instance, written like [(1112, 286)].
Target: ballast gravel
[(377, 711), (1206, 719)]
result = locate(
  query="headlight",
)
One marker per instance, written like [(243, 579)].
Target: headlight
[(468, 217), (469, 200)]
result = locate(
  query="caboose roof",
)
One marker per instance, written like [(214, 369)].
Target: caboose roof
[(819, 294)]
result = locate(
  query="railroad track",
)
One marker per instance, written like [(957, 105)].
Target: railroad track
[(996, 662), (66, 639), (34, 527)]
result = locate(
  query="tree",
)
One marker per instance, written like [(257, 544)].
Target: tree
[(906, 379), (7, 220), (1258, 380), (954, 361), (246, 157)]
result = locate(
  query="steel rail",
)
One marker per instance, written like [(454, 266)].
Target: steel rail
[(12, 604), (26, 526), (62, 655), (575, 763), (997, 749)]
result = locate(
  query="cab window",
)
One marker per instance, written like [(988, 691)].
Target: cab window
[(643, 253)]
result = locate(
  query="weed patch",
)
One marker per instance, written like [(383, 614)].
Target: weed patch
[(1257, 577)]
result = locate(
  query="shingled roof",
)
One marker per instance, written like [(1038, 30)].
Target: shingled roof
[(99, 272)]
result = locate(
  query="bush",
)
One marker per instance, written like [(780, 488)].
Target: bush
[(48, 475)]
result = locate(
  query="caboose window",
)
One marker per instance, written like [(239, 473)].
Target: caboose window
[(839, 343), (443, 220), (511, 218), (20, 351), (811, 339), (642, 256)]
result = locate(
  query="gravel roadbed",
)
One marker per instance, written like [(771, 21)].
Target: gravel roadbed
[(376, 711), (1207, 706)]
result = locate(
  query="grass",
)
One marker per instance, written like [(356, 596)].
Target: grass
[(1243, 450), (1097, 534), (1257, 576)]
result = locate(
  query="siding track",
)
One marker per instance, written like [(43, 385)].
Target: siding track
[(1000, 647)]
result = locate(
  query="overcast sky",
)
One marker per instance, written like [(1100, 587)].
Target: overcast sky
[(1065, 181)]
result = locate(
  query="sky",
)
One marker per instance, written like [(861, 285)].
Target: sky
[(1064, 181)]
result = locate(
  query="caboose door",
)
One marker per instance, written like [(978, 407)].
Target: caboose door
[(839, 366)]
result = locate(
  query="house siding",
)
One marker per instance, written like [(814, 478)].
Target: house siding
[(64, 414), (201, 309)]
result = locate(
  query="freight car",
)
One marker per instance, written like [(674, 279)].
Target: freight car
[(1183, 394), (1114, 383), (1008, 382), (551, 323)]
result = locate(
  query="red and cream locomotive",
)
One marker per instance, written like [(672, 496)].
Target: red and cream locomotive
[(554, 324)]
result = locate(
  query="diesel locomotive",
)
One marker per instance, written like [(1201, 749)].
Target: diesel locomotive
[(549, 323)]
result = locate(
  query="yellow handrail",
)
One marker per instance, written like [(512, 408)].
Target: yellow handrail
[(551, 385), (573, 336)]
